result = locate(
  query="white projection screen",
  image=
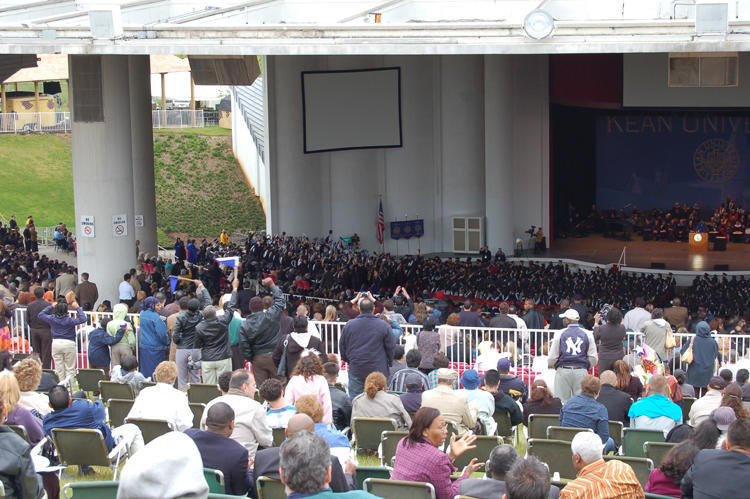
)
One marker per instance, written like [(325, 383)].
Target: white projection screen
[(355, 109)]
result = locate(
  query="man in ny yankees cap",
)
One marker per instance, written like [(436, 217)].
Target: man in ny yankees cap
[(572, 354)]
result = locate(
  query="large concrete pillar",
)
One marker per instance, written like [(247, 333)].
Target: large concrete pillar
[(498, 155), (103, 167), (141, 129)]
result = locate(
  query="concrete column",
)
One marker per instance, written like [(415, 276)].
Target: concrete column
[(498, 151), (103, 167), (141, 130)]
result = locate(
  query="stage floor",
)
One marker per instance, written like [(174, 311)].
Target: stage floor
[(640, 254)]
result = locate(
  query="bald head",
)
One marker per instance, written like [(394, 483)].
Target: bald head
[(657, 385), (298, 423), (608, 378)]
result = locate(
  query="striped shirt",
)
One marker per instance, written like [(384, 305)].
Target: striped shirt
[(432, 377), (279, 418), (604, 480)]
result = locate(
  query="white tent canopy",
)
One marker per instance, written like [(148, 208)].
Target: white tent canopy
[(178, 88)]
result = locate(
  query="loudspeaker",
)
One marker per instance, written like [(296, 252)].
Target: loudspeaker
[(720, 244), (658, 265), (721, 267)]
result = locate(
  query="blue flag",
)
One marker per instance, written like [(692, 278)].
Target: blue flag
[(173, 282), (229, 261)]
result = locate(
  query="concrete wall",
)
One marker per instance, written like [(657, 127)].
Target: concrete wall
[(476, 143), (645, 83)]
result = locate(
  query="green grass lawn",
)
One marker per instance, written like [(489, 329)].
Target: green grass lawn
[(37, 179), (208, 130)]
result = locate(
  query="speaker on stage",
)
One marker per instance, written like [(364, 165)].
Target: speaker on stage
[(720, 244), (725, 268), (658, 265)]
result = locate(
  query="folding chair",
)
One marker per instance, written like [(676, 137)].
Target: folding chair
[(657, 496), (118, 411), (504, 428), (615, 431), (484, 446), (367, 431), (633, 440), (642, 467), (201, 393), (88, 379), (538, 424), (86, 447), (565, 432), (365, 472), (20, 430), (197, 414), (114, 390), (151, 428), (278, 436), (687, 404), (215, 480), (398, 489), (452, 430), (268, 488), (340, 387), (557, 455), (18, 357), (656, 451), (90, 490), (147, 384), (388, 442)]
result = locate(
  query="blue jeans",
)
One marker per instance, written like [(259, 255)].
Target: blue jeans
[(356, 387), (610, 446)]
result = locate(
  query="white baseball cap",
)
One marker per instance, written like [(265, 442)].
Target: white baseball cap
[(571, 314)]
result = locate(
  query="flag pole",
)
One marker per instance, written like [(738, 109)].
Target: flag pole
[(419, 239), (397, 255), (408, 242)]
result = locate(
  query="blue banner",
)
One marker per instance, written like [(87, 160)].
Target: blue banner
[(396, 232), (654, 161), (407, 228), (418, 228)]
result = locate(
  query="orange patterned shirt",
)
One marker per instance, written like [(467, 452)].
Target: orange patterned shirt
[(604, 480)]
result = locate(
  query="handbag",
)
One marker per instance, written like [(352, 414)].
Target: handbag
[(281, 371), (193, 365), (687, 357), (670, 342)]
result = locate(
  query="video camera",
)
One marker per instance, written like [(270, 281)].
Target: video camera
[(532, 230)]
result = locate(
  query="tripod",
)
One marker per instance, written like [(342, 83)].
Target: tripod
[(532, 241)]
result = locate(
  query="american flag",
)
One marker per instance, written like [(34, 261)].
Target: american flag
[(381, 224)]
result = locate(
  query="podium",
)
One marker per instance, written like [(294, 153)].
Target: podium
[(698, 241)]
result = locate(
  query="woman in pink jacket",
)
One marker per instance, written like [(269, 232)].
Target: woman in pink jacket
[(307, 379)]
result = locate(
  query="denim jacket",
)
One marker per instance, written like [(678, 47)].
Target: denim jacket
[(583, 411)]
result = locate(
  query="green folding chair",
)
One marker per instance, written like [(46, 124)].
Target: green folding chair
[(279, 436), (197, 410), (452, 430), (367, 431), (86, 447), (118, 410), (557, 455), (615, 432), (151, 428), (398, 489), (633, 440), (268, 488), (90, 490), (656, 451), (114, 390), (687, 404), (340, 387), (52, 373), (538, 424), (565, 432), (365, 472), (484, 446), (215, 480), (657, 496), (642, 467), (504, 427), (20, 431), (388, 442), (88, 379), (202, 393)]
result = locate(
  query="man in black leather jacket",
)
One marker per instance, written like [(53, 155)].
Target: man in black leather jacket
[(212, 337), (260, 333), (16, 469), (184, 336)]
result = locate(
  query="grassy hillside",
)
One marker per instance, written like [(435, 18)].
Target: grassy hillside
[(36, 175), (200, 188)]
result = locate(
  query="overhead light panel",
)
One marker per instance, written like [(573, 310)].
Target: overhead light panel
[(538, 24)]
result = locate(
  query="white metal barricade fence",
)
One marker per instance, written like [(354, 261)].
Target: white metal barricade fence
[(178, 118), (34, 122)]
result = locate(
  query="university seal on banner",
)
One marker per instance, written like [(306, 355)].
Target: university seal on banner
[(716, 161)]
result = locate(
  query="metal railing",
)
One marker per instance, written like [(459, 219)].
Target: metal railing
[(523, 347), (46, 235), (211, 118), (178, 118), (34, 122)]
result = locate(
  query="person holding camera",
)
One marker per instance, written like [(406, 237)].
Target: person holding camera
[(187, 356), (609, 336)]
